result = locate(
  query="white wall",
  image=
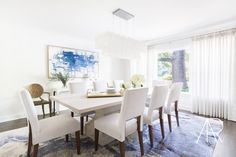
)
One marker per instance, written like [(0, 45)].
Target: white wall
[(24, 60)]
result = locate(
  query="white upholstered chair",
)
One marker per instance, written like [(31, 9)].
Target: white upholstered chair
[(80, 88), (129, 120), (154, 111), (161, 82), (100, 86), (172, 102), (117, 84), (49, 128)]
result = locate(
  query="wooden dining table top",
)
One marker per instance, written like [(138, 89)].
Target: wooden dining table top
[(82, 104)]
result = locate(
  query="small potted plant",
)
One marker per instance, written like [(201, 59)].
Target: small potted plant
[(63, 77)]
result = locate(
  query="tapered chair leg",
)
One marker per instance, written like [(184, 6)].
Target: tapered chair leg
[(177, 113), (72, 114), (162, 128), (35, 150), (82, 125), (86, 118), (96, 139), (77, 136), (161, 122), (43, 111), (29, 142), (54, 108), (50, 109), (169, 121), (67, 137), (122, 149), (150, 128), (140, 134)]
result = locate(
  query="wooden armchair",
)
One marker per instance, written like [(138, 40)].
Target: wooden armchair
[(36, 91)]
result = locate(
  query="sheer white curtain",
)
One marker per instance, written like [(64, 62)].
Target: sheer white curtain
[(213, 74)]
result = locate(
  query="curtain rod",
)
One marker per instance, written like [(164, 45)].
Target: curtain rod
[(193, 36)]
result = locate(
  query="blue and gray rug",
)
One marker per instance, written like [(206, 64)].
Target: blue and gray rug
[(180, 143)]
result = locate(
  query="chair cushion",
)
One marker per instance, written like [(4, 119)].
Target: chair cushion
[(56, 126), (150, 119), (110, 125)]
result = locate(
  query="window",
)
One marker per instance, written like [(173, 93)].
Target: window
[(174, 66)]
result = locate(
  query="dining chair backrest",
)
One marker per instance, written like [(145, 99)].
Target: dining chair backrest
[(78, 87), (117, 84), (161, 83), (35, 90), (173, 94), (31, 113), (100, 86), (158, 98), (133, 103), (174, 91)]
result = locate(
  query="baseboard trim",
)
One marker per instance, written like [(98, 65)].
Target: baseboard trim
[(12, 117)]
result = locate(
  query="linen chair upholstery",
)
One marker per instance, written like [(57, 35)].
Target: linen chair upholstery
[(172, 102), (100, 86), (78, 87), (46, 129), (117, 84), (161, 82), (153, 113), (120, 125)]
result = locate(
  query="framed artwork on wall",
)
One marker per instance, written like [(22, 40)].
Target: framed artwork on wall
[(75, 62)]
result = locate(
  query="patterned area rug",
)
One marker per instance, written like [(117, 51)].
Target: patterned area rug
[(180, 143)]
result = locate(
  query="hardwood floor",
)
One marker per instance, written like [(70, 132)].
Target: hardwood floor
[(227, 148)]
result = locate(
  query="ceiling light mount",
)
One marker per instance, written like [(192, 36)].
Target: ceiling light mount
[(123, 14)]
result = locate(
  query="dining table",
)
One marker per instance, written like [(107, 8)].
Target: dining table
[(82, 104)]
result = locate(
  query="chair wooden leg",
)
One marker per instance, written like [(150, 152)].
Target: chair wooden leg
[(43, 111), (50, 109), (122, 148), (54, 108), (67, 137), (177, 113), (82, 125), (96, 139), (140, 134), (29, 142), (86, 118), (169, 121), (77, 136), (162, 128), (35, 150), (150, 128), (161, 122), (54, 104), (72, 114)]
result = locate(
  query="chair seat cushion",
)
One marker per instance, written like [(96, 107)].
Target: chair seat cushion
[(56, 126), (150, 119), (110, 125)]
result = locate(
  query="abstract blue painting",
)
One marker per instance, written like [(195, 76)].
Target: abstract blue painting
[(78, 63)]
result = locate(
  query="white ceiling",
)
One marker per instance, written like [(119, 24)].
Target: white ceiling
[(88, 18)]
